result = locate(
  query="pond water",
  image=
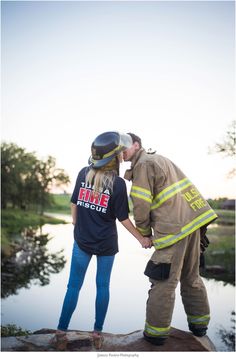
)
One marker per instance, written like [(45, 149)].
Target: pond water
[(39, 306)]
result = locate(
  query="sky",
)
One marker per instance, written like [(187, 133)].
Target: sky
[(161, 69)]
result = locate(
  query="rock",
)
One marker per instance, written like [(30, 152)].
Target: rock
[(215, 269), (45, 340)]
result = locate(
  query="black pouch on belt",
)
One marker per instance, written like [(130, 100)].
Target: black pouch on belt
[(204, 242), (158, 271)]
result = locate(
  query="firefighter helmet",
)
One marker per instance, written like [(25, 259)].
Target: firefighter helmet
[(106, 146)]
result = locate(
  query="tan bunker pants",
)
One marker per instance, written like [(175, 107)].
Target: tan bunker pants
[(183, 260)]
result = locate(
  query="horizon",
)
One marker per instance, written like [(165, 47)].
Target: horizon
[(162, 70)]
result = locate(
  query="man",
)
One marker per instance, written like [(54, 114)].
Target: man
[(168, 207)]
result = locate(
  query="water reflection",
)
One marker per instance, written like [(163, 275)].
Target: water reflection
[(220, 255), (129, 290), (228, 336), (29, 262), (220, 272)]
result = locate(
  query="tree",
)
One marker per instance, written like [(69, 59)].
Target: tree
[(29, 262), (16, 171), (228, 336), (227, 147), (26, 180), (49, 176)]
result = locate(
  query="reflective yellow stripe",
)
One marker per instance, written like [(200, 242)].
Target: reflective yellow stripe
[(144, 231), (170, 191), (199, 319), (186, 230), (112, 152), (142, 193), (155, 331), (131, 206)]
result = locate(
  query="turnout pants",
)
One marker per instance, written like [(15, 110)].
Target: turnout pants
[(181, 263)]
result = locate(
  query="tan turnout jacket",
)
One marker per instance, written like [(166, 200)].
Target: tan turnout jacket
[(165, 202)]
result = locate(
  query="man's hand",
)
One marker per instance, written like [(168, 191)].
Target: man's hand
[(145, 242)]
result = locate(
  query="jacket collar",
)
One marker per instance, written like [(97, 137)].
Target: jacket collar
[(129, 173)]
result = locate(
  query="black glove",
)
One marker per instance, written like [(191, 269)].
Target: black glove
[(204, 242)]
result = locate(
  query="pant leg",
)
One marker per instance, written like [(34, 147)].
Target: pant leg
[(104, 268), (193, 291), (161, 299), (79, 264)]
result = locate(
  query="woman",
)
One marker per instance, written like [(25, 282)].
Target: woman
[(98, 199)]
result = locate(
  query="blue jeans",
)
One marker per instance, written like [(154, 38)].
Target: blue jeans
[(79, 264)]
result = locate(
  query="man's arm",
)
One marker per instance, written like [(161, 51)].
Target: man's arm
[(142, 195)]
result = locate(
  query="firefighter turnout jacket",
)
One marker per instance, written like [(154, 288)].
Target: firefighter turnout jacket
[(166, 204)]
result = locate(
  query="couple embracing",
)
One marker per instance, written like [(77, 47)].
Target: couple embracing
[(169, 213)]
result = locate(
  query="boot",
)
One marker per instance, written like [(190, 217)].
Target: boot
[(154, 340), (198, 332)]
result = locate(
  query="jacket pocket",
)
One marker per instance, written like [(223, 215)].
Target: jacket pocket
[(167, 228)]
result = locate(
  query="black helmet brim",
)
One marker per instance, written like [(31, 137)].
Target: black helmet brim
[(100, 163), (125, 141)]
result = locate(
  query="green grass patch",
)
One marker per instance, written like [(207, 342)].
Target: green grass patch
[(13, 221), (221, 235), (221, 250), (225, 217), (60, 203), (11, 330)]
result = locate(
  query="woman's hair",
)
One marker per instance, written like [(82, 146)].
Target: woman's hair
[(100, 180), (103, 178)]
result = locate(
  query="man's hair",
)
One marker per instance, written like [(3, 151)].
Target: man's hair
[(135, 138)]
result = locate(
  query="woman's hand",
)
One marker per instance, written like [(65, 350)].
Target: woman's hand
[(146, 242)]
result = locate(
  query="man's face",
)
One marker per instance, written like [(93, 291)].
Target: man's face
[(129, 153)]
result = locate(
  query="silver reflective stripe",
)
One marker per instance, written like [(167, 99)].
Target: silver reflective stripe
[(199, 319), (142, 193), (155, 331), (186, 230), (170, 191)]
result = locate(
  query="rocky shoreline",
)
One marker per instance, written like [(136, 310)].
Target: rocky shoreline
[(45, 340)]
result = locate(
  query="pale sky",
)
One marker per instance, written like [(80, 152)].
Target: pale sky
[(163, 70)]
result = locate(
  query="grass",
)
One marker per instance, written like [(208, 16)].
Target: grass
[(60, 203), (13, 221), (221, 250), (11, 330), (221, 237), (225, 217)]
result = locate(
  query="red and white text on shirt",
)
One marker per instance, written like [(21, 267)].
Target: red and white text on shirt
[(87, 195)]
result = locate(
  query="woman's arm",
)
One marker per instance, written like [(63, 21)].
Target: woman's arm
[(74, 213), (144, 241)]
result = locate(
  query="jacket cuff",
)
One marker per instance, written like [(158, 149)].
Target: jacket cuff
[(146, 232)]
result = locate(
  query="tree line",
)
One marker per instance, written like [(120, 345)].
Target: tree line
[(27, 180)]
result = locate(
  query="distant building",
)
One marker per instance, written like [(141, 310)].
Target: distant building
[(228, 204)]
